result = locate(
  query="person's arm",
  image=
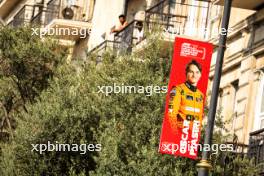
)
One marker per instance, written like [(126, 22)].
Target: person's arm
[(114, 30), (120, 27), (124, 25), (174, 109)]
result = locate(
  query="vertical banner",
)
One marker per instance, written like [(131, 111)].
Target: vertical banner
[(185, 99)]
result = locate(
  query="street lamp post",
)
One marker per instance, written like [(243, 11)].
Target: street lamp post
[(204, 165)]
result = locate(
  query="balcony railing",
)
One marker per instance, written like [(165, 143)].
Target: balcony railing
[(239, 149), (104, 46), (54, 10), (23, 17), (256, 147), (37, 19), (128, 37), (124, 40), (226, 158), (179, 18)]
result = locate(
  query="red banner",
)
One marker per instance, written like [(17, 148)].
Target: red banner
[(185, 98)]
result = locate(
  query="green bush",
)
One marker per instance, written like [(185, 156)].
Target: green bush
[(26, 65), (127, 126)]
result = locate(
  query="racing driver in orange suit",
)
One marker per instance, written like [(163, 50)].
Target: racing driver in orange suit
[(186, 101)]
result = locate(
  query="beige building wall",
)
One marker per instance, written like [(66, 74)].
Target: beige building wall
[(238, 14), (242, 75), (215, 18)]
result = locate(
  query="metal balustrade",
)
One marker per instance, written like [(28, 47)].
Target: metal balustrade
[(23, 16), (40, 15), (52, 11), (104, 46), (55, 9), (256, 147), (37, 19), (126, 38), (179, 18)]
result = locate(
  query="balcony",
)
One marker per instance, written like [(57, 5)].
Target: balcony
[(179, 19), (58, 15), (23, 16), (123, 42), (244, 4), (171, 17), (256, 147), (103, 47), (6, 6)]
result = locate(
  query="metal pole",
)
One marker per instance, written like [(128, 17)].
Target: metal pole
[(204, 165)]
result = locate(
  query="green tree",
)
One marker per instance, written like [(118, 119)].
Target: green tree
[(72, 110), (26, 65)]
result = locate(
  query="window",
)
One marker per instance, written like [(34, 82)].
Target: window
[(259, 115), (235, 87), (220, 99)]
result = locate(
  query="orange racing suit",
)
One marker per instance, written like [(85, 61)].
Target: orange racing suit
[(186, 103)]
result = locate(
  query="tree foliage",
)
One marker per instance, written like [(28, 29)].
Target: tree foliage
[(26, 65), (127, 125)]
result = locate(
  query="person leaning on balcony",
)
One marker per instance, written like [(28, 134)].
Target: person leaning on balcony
[(122, 25), (186, 100)]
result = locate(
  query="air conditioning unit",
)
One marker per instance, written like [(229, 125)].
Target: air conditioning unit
[(68, 13)]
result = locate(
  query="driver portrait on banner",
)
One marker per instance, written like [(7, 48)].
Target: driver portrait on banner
[(186, 100)]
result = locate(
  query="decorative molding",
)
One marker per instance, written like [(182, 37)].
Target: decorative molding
[(241, 99), (244, 84), (258, 74)]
